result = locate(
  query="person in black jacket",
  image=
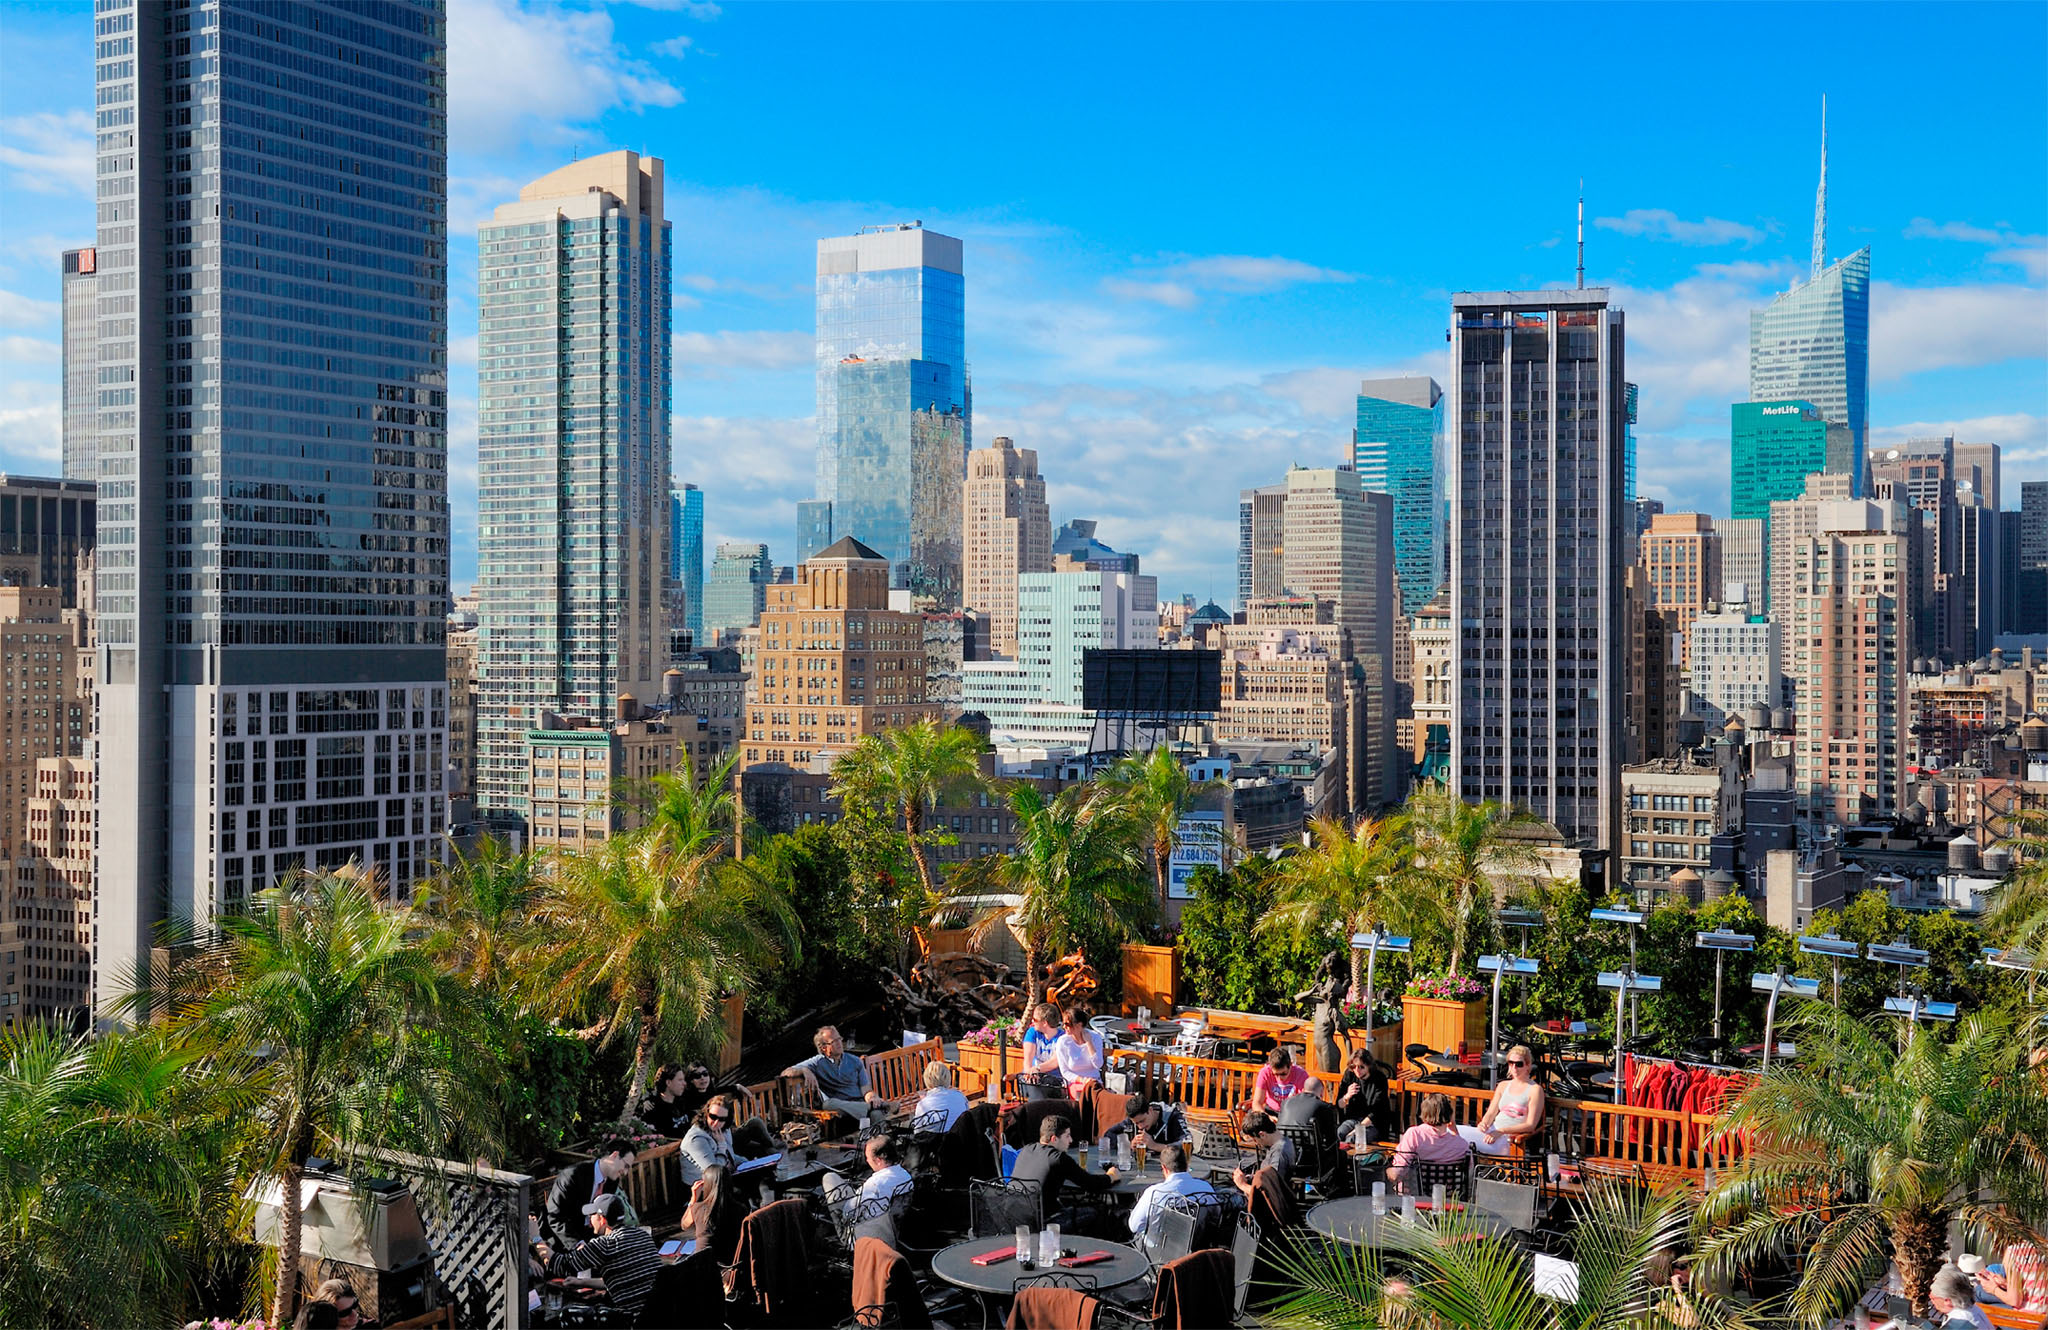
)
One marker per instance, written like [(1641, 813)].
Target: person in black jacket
[(679, 1092), (577, 1187), (1054, 1170), (1362, 1097)]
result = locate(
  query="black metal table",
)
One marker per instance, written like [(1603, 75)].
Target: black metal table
[(955, 1264)]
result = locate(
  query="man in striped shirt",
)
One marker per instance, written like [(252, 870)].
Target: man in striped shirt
[(622, 1254)]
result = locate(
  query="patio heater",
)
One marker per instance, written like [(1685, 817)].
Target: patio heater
[(1516, 917), (1634, 919), (1775, 983), (1914, 1006), (1837, 950), (2012, 958), (1899, 953), (1625, 982), (1721, 941), (1500, 965), (1373, 944)]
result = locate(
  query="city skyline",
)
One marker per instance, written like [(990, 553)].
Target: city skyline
[(1137, 323)]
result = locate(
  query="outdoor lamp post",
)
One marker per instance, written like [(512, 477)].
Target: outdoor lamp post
[(1721, 941), (1837, 950), (1899, 953), (1775, 983), (1517, 917), (1634, 919), (1625, 982), (1914, 1006), (1373, 944), (1500, 965)]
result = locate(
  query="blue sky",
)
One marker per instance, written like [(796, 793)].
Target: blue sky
[(1191, 229)]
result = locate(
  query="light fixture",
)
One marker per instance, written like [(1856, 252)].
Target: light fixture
[(1775, 984), (1373, 944), (1500, 965), (1722, 941), (1837, 949)]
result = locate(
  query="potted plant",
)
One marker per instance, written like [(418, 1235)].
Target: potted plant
[(978, 1048), (1387, 1027), (1444, 1011)]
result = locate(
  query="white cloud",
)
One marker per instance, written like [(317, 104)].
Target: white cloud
[(520, 72), (30, 351), (1915, 329), (2026, 252), (32, 427), (674, 47), (50, 152), (1176, 280), (700, 355), (697, 9), (19, 311), (1171, 294), (1663, 224)]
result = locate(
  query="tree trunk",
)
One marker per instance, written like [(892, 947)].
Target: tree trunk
[(1459, 911), (913, 824), (291, 1222), (1034, 992), (1160, 855), (1919, 1245), (1357, 974), (643, 1051)]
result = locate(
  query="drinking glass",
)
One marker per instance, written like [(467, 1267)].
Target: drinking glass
[(1379, 1199), (1551, 1163), (1437, 1198), (1049, 1245), (1024, 1246), (1408, 1208)]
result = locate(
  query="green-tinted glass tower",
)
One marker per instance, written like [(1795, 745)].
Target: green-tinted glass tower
[(1773, 448), (1396, 450)]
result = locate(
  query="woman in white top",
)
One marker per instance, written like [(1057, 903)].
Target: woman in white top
[(1078, 1055), (1517, 1108), (939, 1097)]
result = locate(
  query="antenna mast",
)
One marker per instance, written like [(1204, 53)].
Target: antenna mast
[(1582, 233), (1820, 199)]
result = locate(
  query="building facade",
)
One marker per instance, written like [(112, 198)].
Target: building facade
[(80, 268), (887, 293), (1036, 697), (1680, 810), (1540, 543), (1811, 345), (1261, 543), (1397, 449), (1008, 532), (737, 591), (46, 936), (686, 555), (1682, 554), (1735, 656), (273, 475), (580, 773), (573, 456), (1288, 679), (901, 461), (47, 532), (1743, 559), (835, 663), (1436, 678)]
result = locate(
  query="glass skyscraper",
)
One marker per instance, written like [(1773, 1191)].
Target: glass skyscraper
[(1396, 450), (892, 293), (901, 470), (573, 457), (686, 555), (1773, 448), (1812, 344), (81, 363), (272, 451)]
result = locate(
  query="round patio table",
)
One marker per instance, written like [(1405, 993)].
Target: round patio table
[(1352, 1220), (955, 1264)]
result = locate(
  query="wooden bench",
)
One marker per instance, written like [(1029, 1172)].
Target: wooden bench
[(897, 1075), (2010, 1318)]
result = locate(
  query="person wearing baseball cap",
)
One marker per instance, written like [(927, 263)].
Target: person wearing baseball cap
[(622, 1254)]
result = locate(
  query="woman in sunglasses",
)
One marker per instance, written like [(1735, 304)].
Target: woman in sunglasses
[(1517, 1109), (680, 1092)]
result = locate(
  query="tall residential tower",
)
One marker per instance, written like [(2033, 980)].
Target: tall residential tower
[(1540, 541), (573, 457), (273, 524), (1007, 533), (1397, 449)]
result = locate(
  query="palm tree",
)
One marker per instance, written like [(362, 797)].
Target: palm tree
[(1445, 1273), (650, 928), (690, 816), (1349, 881), (334, 1007), (1457, 846), (1861, 1152), (1162, 793), (904, 772), (483, 902), (1077, 868), (114, 1190)]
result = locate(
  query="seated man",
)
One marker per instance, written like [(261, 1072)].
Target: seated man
[(1955, 1301), (1149, 1123), (1048, 1164), (837, 1077), (887, 1177), (1274, 1151), (1173, 1162), (577, 1187), (622, 1254), (1309, 1110)]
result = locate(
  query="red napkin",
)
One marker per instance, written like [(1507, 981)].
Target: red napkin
[(1085, 1258), (991, 1258)]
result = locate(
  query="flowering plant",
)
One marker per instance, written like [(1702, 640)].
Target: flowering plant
[(985, 1037), (1385, 1012), (1446, 987), (638, 1131)]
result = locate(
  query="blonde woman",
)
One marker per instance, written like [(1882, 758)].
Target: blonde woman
[(1516, 1113)]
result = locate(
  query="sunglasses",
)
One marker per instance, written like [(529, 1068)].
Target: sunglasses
[(1518, 1062), (716, 1117), (700, 1075)]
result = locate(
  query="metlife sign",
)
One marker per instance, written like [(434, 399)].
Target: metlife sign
[(1201, 842)]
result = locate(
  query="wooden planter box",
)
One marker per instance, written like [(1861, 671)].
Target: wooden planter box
[(1443, 1025), (977, 1063), (1387, 1042)]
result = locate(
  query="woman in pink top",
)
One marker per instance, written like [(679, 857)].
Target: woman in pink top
[(1276, 1081), (2022, 1282), (1434, 1140)]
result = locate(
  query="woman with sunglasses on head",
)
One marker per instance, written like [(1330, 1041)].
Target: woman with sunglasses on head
[(679, 1093), (1517, 1109)]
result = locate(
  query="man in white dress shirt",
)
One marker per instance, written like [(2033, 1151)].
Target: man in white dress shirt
[(1173, 1162)]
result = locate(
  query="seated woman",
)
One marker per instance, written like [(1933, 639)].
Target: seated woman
[(679, 1092), (941, 1105), (1276, 1081), (1516, 1113), (712, 1220), (2020, 1282), (1078, 1056), (1434, 1140), (1362, 1099)]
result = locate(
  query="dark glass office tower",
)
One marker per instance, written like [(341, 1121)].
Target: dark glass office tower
[(272, 401)]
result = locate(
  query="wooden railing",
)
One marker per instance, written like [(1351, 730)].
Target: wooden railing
[(1663, 1142)]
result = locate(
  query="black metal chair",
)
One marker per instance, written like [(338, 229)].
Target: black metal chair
[(1610, 1170), (1522, 1170), (1422, 1177), (1072, 1279), (999, 1207)]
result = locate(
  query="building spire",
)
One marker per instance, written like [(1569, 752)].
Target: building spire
[(1582, 233), (1820, 198)]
